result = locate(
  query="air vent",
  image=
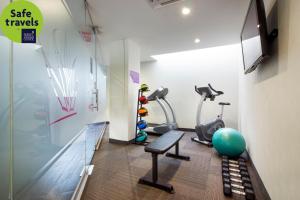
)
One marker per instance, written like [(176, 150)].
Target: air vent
[(162, 3)]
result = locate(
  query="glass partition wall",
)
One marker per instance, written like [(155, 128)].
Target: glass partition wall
[(5, 156), (49, 92)]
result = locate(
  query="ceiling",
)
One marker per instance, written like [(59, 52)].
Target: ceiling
[(166, 30)]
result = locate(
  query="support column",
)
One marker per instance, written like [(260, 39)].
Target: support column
[(124, 81)]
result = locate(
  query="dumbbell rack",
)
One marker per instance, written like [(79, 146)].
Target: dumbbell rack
[(138, 118), (236, 179)]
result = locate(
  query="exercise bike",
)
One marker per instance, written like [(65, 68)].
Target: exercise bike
[(205, 132)]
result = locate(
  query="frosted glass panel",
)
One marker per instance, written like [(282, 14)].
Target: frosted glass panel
[(53, 95), (4, 113), (4, 118), (54, 87)]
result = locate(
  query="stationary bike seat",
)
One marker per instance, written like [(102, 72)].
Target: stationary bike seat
[(224, 104)]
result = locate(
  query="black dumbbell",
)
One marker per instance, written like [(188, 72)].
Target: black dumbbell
[(243, 185), (236, 179), (235, 163), (240, 160), (235, 171), (234, 167), (248, 193), (230, 174)]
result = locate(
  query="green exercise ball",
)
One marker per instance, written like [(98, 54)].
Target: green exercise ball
[(142, 136), (229, 142)]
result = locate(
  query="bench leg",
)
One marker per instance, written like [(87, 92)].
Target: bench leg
[(177, 155), (154, 167), (154, 181)]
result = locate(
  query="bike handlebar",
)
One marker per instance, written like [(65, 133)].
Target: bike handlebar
[(218, 93), (196, 89)]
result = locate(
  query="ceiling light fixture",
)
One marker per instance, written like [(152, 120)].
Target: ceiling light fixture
[(197, 40), (185, 11)]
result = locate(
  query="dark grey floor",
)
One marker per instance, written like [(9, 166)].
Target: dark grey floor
[(118, 168)]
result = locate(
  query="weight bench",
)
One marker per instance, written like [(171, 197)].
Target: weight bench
[(161, 146)]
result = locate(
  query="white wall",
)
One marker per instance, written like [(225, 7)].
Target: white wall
[(270, 109), (180, 72)]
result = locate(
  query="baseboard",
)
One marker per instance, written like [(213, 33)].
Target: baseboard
[(114, 141), (186, 129), (99, 123), (101, 136)]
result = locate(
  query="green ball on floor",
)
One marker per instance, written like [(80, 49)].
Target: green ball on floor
[(142, 136), (229, 142)]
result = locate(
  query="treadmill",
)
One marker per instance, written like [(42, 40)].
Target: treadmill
[(159, 96)]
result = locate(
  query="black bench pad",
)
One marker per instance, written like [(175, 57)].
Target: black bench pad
[(164, 142)]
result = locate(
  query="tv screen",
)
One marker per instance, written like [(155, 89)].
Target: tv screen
[(254, 36)]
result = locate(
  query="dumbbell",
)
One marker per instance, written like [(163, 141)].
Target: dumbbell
[(242, 180), (231, 170), (234, 175), (236, 168), (248, 193), (230, 174), (243, 185), (240, 160), (234, 163)]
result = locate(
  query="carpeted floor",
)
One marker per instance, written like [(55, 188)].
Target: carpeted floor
[(118, 168)]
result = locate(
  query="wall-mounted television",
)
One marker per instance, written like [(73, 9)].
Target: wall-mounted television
[(254, 36)]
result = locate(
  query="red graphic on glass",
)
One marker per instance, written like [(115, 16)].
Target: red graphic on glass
[(62, 75)]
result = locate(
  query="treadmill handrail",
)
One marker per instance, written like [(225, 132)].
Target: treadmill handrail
[(160, 93), (172, 111), (164, 109)]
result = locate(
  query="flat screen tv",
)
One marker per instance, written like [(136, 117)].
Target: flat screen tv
[(254, 36)]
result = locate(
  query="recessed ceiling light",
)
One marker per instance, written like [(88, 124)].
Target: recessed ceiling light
[(185, 11), (197, 40)]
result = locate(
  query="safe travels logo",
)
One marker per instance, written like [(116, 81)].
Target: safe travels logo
[(21, 21)]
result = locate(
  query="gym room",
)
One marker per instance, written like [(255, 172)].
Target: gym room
[(149, 99)]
